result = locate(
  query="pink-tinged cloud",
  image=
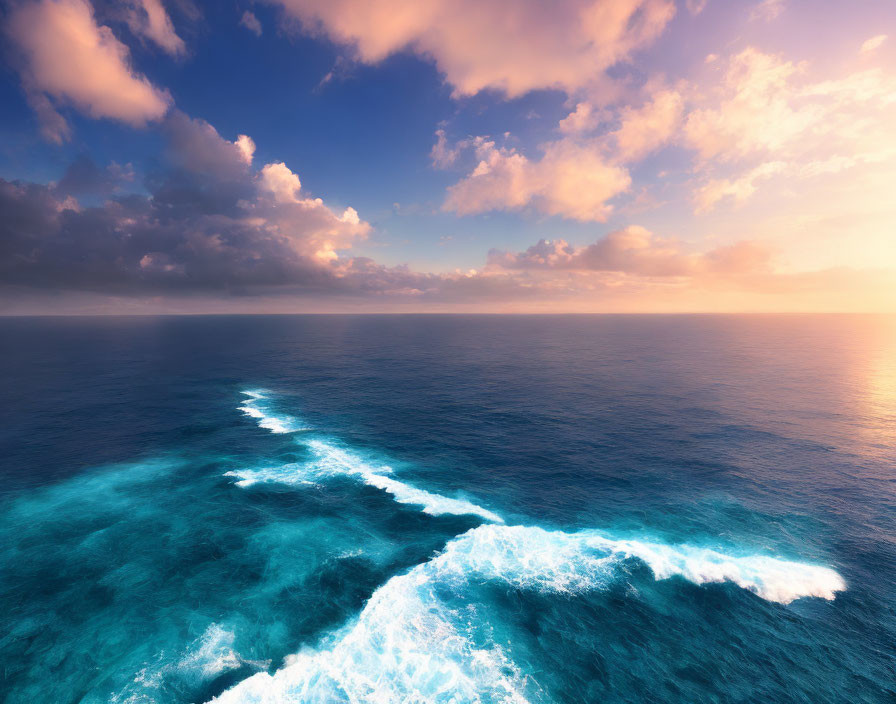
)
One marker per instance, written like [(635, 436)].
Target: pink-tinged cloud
[(211, 222), (68, 58), (873, 44), (766, 104), (583, 119), (646, 128), (767, 117), (491, 44), (572, 180), (635, 250), (148, 18), (708, 195)]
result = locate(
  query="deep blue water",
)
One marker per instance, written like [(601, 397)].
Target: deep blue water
[(448, 509)]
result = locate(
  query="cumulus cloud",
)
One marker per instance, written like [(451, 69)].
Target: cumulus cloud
[(246, 145), (209, 223), (644, 129), (282, 183), (576, 176), (251, 22), (583, 119), (635, 250), (196, 146), (67, 58), (491, 44), (148, 18), (572, 180)]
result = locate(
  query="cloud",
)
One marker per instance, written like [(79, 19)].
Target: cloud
[(572, 180), (66, 57), (196, 146), (873, 43), (84, 177), (209, 223), (246, 145), (576, 176), (148, 18), (765, 105), (644, 129), (767, 116), (695, 7), (250, 22), (636, 251), (757, 109), (739, 189), (583, 119), (443, 155), (477, 45), (282, 183), (767, 10)]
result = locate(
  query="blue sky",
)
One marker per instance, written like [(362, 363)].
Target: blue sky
[(358, 125)]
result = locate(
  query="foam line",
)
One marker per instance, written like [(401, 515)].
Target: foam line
[(408, 645), (329, 460), (256, 406), (209, 656)]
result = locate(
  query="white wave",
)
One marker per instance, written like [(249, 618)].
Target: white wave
[(332, 461), (207, 657), (255, 406), (409, 645), (212, 654)]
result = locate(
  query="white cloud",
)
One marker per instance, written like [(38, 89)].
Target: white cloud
[(281, 182), (68, 58)]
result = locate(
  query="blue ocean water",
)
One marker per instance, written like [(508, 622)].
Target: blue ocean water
[(448, 509)]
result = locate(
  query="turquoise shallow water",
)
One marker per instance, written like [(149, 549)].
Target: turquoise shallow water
[(448, 509)]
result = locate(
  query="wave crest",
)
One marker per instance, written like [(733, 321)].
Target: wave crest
[(329, 460), (255, 406), (407, 644)]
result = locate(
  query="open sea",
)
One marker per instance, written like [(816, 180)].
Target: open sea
[(271, 509)]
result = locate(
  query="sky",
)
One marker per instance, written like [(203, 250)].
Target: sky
[(577, 156)]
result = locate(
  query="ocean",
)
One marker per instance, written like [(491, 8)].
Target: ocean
[(448, 509)]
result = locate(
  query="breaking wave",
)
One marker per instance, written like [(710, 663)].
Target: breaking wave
[(256, 406), (209, 656), (408, 644)]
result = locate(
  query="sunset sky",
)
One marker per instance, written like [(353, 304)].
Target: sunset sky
[(448, 155)]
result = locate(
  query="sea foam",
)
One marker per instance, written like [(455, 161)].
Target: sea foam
[(209, 656), (407, 644), (328, 460), (256, 406)]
